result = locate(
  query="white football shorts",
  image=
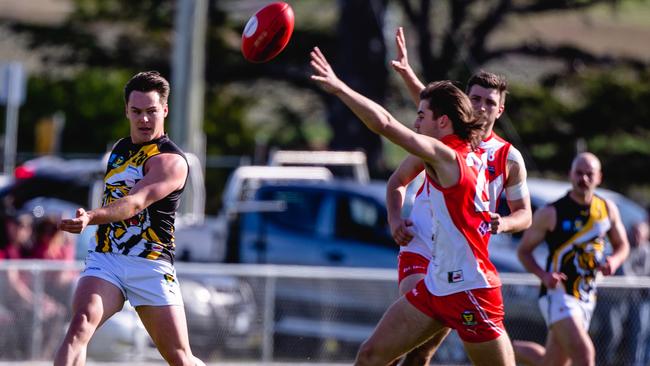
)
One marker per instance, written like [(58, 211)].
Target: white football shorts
[(142, 281), (557, 305)]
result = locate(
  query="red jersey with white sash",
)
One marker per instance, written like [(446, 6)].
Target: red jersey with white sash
[(498, 151), (460, 226)]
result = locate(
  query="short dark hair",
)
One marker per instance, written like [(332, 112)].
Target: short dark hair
[(489, 80), (447, 99), (147, 81)]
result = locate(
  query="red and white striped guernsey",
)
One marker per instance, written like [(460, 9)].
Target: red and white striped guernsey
[(460, 226), (498, 151)]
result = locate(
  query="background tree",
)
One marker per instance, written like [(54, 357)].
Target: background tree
[(253, 107)]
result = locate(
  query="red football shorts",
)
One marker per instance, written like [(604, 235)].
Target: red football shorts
[(409, 263), (477, 315)]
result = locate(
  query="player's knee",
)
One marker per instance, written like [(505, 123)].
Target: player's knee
[(368, 355), (178, 357), (83, 325)]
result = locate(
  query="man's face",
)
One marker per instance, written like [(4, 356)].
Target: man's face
[(486, 103), (425, 123), (585, 175), (146, 114)]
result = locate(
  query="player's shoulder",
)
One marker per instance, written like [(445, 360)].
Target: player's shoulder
[(609, 205), (545, 216)]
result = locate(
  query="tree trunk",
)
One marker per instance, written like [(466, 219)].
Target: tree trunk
[(361, 63)]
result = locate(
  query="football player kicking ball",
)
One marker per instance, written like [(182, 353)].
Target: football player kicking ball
[(132, 253), (461, 289), (506, 170)]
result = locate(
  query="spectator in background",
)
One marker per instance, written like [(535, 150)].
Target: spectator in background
[(17, 291), (50, 242), (16, 241)]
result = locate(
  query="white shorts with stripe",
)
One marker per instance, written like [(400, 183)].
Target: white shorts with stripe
[(142, 281), (557, 305)]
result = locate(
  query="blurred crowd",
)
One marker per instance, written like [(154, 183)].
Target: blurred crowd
[(23, 236)]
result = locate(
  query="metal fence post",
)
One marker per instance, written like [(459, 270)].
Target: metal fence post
[(269, 319), (37, 318)]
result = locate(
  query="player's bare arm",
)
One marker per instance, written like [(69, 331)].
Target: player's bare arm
[(403, 68), (543, 222), (518, 199), (408, 169), (618, 238), (165, 173), (440, 156)]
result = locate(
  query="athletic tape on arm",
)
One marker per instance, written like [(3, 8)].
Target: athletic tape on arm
[(517, 191)]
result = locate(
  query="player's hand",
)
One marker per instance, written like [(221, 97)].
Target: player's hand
[(553, 279), (323, 73), (401, 232), (401, 62), (496, 223), (77, 224), (608, 267)]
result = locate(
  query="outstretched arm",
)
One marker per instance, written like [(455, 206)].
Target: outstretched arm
[(165, 174), (403, 68), (410, 167), (377, 119)]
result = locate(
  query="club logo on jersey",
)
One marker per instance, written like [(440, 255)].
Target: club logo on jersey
[(492, 170), (578, 224), (468, 318), (455, 276), (115, 161), (484, 228)]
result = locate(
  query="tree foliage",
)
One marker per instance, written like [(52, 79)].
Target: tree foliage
[(601, 101)]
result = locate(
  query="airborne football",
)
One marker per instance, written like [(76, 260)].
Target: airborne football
[(267, 32)]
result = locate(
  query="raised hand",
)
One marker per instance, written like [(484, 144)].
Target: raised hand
[(401, 62), (608, 267), (323, 73)]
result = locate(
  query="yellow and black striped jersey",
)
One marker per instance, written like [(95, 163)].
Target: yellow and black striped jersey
[(577, 244), (150, 233)]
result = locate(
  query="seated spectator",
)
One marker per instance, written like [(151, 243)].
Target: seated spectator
[(16, 239), (29, 308), (50, 242)]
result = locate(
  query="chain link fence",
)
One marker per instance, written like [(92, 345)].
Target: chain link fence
[(263, 313)]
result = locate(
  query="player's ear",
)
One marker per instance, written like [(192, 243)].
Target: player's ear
[(502, 108), (598, 177), (166, 109), (444, 121)]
